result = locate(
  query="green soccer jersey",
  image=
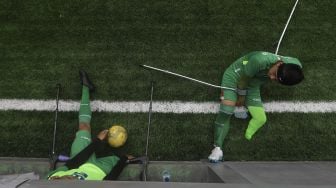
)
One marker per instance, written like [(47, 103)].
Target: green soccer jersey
[(251, 70), (87, 171)]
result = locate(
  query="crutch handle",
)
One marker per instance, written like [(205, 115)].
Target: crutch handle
[(63, 158)]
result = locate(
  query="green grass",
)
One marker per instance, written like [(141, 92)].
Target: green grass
[(46, 42), (177, 137)]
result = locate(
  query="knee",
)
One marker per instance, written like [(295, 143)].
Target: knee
[(84, 126), (228, 103), (227, 107), (258, 114), (260, 119)]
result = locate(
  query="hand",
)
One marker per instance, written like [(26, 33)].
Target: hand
[(241, 100), (102, 135), (130, 157)]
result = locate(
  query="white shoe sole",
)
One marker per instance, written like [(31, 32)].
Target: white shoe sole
[(215, 160)]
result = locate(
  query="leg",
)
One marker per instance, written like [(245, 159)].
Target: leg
[(82, 140), (83, 135), (257, 111), (85, 110), (258, 120), (222, 124)]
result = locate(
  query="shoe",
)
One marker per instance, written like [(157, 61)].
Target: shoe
[(216, 155), (84, 78)]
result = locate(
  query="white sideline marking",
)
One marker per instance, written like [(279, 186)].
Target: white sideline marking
[(161, 106)]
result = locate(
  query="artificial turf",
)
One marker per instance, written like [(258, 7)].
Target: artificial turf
[(286, 136), (46, 42)]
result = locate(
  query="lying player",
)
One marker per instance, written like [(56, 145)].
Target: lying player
[(83, 163)]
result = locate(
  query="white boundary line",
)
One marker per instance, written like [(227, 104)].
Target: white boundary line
[(177, 107)]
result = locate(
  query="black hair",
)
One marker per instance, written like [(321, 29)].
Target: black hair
[(289, 74)]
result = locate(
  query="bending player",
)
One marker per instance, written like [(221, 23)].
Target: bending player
[(248, 74)]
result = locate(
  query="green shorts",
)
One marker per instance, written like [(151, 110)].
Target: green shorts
[(82, 140), (252, 97)]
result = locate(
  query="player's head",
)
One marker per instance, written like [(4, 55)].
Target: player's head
[(286, 73), (289, 74)]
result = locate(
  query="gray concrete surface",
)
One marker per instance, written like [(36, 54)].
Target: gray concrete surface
[(135, 184), (196, 174), (286, 173)]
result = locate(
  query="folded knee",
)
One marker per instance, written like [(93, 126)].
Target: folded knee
[(258, 114), (260, 119)]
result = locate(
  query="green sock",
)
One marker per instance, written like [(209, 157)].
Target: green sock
[(222, 124), (257, 121), (85, 109)]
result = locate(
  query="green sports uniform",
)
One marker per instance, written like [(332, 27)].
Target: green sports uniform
[(94, 168), (247, 74)]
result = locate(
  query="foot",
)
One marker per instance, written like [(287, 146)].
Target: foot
[(216, 155), (86, 81), (248, 135)]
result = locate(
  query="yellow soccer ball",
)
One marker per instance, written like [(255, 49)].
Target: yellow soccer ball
[(117, 136)]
